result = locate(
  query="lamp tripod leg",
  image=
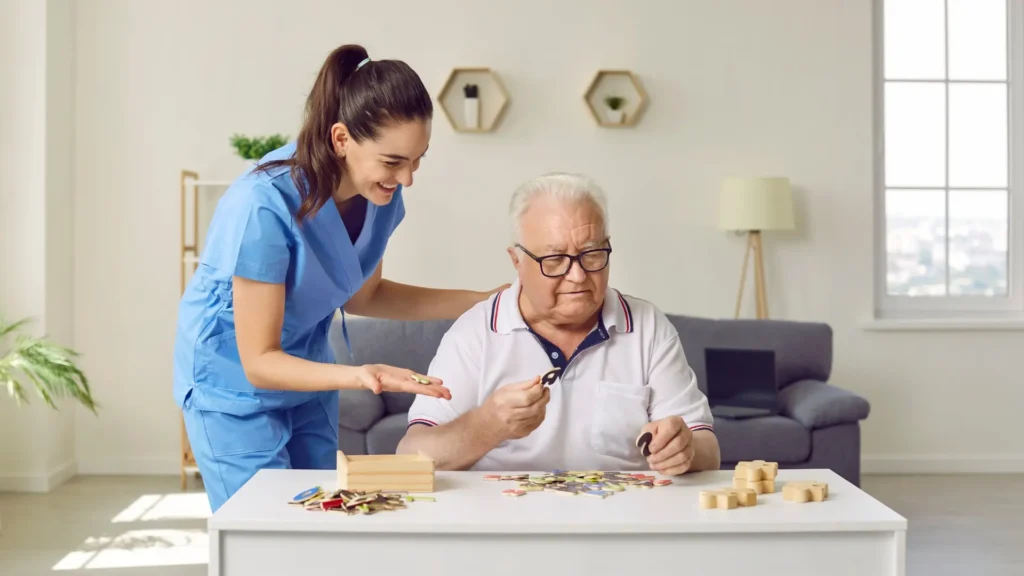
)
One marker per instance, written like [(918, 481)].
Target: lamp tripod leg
[(743, 273), (762, 298)]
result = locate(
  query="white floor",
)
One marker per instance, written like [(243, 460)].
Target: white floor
[(145, 525)]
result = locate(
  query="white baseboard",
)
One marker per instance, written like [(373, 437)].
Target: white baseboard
[(39, 482), (166, 466), (943, 464)]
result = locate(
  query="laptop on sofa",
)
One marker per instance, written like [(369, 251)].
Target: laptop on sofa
[(741, 382)]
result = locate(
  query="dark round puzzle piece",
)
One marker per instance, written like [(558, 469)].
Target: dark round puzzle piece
[(643, 442), (550, 377)]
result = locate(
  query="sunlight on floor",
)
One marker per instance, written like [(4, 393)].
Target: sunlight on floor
[(140, 548), (187, 506), (148, 548)]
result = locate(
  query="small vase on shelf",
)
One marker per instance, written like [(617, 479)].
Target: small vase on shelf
[(471, 110)]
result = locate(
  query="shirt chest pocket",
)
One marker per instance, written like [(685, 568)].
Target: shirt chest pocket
[(619, 412)]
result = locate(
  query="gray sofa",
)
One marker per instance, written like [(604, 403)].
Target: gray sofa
[(819, 425)]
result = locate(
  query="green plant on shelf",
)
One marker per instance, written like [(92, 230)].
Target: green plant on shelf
[(36, 362), (614, 102), (256, 147)]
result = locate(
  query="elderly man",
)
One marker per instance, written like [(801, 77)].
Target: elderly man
[(622, 368)]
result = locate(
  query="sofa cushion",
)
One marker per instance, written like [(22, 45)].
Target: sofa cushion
[(384, 436), (803, 350), (359, 409), (773, 438), (816, 404)]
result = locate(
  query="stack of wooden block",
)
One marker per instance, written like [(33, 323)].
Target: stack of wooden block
[(757, 475), (386, 472)]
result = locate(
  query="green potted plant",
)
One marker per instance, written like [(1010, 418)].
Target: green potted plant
[(36, 362), (256, 147), (616, 114)]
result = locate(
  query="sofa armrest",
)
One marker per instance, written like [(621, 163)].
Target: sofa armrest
[(815, 404)]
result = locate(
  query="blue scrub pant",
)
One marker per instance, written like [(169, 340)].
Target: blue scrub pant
[(230, 449)]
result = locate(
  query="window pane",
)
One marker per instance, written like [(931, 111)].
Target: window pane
[(977, 135), (977, 39), (915, 242), (914, 39), (978, 231), (915, 134)]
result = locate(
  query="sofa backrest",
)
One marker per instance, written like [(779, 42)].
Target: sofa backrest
[(400, 344), (803, 350)]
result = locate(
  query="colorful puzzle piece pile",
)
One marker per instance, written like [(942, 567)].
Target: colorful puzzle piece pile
[(593, 483), (353, 502)]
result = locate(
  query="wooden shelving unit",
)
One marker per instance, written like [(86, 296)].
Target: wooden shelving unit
[(463, 114), (191, 248), (615, 83)]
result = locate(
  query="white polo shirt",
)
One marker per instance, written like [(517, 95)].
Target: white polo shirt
[(630, 370)]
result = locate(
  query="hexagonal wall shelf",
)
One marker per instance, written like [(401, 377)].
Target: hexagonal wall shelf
[(473, 99), (615, 98)]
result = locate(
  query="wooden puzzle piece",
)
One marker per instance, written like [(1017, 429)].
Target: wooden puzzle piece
[(805, 491), (727, 498), (757, 475), (643, 442), (758, 486), (756, 470), (550, 377)]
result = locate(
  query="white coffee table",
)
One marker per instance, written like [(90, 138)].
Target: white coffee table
[(473, 528)]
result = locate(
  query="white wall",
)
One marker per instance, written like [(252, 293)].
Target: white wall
[(737, 87), (36, 212)]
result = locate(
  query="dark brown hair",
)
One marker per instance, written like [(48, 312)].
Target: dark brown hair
[(363, 98)]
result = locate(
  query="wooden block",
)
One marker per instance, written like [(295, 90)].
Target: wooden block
[(756, 470), (725, 499), (744, 496), (759, 487), (392, 472), (805, 491)]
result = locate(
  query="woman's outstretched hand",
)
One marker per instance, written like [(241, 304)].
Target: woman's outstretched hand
[(381, 377)]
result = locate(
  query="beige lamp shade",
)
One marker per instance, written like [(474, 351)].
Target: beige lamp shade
[(756, 204)]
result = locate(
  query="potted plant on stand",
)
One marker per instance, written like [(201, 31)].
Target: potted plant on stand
[(616, 113), (472, 106), (36, 362), (254, 148)]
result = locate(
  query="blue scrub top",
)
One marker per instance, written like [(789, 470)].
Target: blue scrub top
[(254, 234)]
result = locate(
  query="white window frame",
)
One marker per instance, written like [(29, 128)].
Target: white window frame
[(1010, 306)]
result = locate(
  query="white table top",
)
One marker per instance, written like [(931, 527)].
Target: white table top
[(466, 503)]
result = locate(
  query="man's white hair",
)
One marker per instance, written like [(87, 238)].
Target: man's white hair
[(569, 188)]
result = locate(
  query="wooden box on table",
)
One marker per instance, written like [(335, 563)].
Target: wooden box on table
[(390, 472)]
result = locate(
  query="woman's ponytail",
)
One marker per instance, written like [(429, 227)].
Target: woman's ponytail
[(363, 95)]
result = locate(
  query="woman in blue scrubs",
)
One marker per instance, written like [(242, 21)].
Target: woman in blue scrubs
[(291, 242)]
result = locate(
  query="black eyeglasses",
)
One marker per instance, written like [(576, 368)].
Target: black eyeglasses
[(556, 265)]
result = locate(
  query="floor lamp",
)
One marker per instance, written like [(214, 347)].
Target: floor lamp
[(752, 205)]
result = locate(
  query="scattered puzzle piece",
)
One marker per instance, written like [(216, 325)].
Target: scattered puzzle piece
[(727, 498), (352, 502), (590, 482), (711, 499), (805, 491)]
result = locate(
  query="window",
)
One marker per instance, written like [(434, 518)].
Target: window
[(949, 165)]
